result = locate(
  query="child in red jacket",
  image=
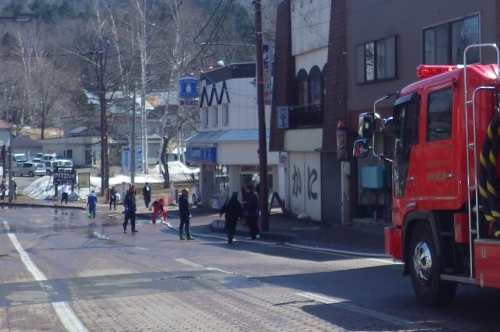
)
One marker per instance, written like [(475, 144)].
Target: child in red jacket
[(158, 206)]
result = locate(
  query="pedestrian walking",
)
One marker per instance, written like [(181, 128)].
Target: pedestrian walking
[(251, 213), (3, 187), (130, 208), (92, 204), (146, 192), (112, 197), (158, 207), (233, 210), (185, 215), (64, 193)]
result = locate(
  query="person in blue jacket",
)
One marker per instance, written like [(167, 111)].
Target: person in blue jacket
[(92, 203)]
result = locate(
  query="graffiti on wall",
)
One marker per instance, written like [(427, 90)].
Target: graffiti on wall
[(312, 177), (297, 182)]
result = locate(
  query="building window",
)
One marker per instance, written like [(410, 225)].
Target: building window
[(68, 154), (376, 60), (225, 115), (204, 117), (439, 115), (309, 110), (303, 100), (215, 117), (445, 43), (316, 91)]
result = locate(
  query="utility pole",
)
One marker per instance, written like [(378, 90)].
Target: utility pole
[(263, 194), (9, 163), (104, 124), (132, 145)]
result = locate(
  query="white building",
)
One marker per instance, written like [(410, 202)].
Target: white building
[(227, 145)]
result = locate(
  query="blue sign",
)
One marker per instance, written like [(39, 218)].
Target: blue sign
[(188, 88), (201, 155), (283, 117)]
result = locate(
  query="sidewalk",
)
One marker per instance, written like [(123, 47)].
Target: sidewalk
[(361, 238)]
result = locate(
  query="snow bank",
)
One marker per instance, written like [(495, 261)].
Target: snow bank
[(43, 188)]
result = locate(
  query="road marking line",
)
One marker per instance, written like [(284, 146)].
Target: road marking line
[(341, 303), (184, 261), (218, 270), (68, 317), (386, 261), (63, 309)]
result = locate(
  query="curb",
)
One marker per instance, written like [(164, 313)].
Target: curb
[(338, 251), (214, 227), (280, 237), (13, 204)]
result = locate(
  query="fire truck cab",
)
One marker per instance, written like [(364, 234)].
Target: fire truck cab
[(445, 183)]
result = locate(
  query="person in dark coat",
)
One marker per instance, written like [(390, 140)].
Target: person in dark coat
[(185, 215), (251, 213), (146, 192), (233, 210), (112, 197), (130, 208)]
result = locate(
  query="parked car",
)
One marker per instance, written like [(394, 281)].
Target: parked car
[(49, 157), (65, 163), (50, 166), (30, 169), (38, 158), (19, 158)]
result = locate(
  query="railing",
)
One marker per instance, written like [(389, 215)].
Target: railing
[(306, 116)]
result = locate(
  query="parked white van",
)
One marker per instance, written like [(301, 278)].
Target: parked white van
[(49, 157), (19, 158)]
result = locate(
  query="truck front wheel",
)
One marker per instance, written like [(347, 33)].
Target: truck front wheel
[(425, 269)]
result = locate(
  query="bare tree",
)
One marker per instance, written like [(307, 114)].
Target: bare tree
[(178, 55), (145, 11)]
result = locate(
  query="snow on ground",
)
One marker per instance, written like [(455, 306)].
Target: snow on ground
[(43, 188)]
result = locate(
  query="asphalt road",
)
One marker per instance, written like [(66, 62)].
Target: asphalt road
[(60, 271)]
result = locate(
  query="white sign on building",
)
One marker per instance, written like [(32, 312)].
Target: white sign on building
[(126, 158), (138, 158)]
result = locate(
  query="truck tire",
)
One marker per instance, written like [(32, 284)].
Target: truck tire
[(425, 269)]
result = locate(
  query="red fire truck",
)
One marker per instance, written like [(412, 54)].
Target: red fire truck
[(445, 181)]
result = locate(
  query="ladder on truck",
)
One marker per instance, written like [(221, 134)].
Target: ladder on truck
[(472, 179)]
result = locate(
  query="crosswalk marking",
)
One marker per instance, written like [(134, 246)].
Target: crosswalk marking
[(63, 309)]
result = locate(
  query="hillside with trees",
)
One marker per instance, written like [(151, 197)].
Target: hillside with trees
[(73, 49), (48, 63)]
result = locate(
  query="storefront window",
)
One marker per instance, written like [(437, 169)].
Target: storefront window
[(221, 179)]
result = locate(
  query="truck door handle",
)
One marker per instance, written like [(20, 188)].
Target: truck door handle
[(449, 175), (411, 178)]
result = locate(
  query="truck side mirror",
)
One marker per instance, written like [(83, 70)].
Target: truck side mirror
[(361, 148), (387, 125), (366, 126)]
